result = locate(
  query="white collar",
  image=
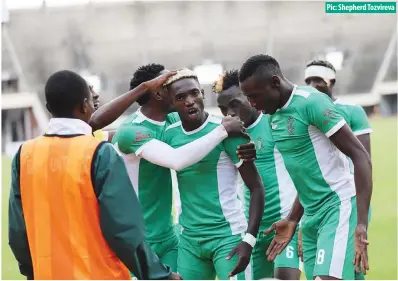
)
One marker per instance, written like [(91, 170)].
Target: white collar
[(159, 123), (68, 126), (255, 122), (290, 98)]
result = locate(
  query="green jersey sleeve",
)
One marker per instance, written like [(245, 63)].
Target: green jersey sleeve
[(130, 139), (231, 146), (322, 113), (359, 121)]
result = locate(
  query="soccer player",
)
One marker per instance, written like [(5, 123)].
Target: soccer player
[(212, 220), (312, 136), (73, 213), (149, 160), (278, 185), (321, 75)]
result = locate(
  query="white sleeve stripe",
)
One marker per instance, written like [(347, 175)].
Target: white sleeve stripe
[(363, 132), (336, 127), (142, 147), (239, 163)]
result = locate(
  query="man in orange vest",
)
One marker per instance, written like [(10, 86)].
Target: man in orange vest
[(73, 212)]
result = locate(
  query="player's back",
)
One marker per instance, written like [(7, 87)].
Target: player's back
[(208, 189), (151, 182), (318, 169)]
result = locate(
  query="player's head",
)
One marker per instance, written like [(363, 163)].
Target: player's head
[(187, 95), (145, 73), (321, 75), (95, 97), (68, 96), (261, 80), (231, 99)]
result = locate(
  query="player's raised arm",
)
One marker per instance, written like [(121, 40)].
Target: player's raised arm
[(112, 110), (323, 115), (121, 217), (141, 141), (17, 235)]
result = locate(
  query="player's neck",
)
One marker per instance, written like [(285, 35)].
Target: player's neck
[(153, 113), (286, 91), (190, 125), (254, 117)]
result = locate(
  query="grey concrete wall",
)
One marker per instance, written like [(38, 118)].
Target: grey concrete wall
[(112, 40)]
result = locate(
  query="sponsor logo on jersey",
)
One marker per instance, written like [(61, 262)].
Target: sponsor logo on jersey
[(141, 136)]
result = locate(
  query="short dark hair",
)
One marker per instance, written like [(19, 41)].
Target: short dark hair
[(143, 74), (324, 63), (64, 91), (257, 62), (227, 80)]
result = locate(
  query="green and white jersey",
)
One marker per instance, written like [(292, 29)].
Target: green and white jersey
[(356, 118), (152, 183), (278, 185), (300, 129), (210, 206)]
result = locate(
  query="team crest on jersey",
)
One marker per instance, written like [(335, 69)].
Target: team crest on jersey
[(329, 114), (141, 136), (259, 143), (290, 125), (273, 126)]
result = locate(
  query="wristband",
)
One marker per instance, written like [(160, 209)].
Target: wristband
[(249, 239)]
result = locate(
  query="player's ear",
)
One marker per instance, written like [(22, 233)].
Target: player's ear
[(48, 108), (203, 93), (157, 95), (84, 106), (275, 82), (332, 82)]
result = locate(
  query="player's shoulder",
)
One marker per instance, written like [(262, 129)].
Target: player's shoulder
[(213, 119), (349, 106), (172, 118)]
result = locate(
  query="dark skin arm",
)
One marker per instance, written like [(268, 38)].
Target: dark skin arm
[(252, 179), (112, 110), (365, 140), (348, 143), (110, 135)]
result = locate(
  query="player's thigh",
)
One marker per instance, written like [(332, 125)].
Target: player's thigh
[(335, 247), (170, 252), (261, 267), (309, 231), (222, 247), (287, 264), (190, 264)]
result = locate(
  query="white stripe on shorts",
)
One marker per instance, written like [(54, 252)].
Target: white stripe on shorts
[(340, 240)]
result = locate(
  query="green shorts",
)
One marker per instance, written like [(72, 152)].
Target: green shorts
[(328, 241), (262, 268), (204, 259), (167, 251)]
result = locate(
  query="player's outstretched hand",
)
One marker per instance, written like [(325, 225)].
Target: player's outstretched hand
[(244, 251), (175, 276), (156, 83), (361, 249), (247, 152), (300, 244), (234, 127), (284, 231)]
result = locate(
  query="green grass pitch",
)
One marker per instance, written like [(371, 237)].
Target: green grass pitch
[(383, 226)]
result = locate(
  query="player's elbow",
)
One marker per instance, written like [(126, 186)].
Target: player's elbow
[(361, 157)]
